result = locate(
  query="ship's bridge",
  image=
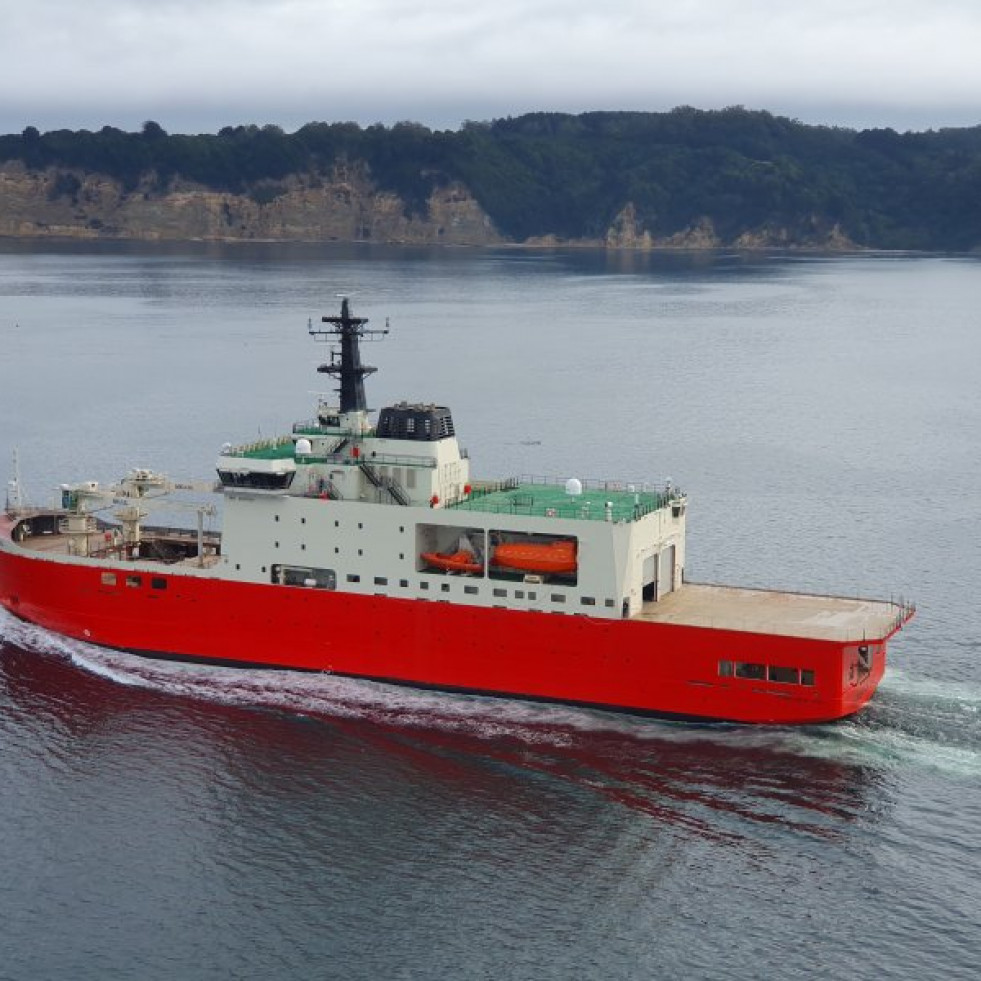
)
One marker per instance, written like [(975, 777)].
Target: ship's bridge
[(411, 457)]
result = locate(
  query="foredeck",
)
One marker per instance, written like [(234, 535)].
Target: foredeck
[(548, 499), (772, 612)]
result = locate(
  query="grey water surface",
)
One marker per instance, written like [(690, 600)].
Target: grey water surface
[(824, 416)]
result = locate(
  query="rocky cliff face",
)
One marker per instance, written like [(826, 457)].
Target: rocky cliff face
[(344, 207)]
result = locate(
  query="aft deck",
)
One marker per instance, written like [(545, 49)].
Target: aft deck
[(772, 612)]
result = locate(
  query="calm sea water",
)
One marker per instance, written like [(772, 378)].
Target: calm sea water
[(824, 415)]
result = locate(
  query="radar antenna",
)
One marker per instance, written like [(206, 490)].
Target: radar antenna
[(345, 363)]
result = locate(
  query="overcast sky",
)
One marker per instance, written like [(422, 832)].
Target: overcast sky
[(198, 65)]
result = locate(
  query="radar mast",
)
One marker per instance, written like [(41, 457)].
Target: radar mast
[(345, 361)]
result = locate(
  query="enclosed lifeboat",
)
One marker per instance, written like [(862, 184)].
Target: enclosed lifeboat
[(549, 557)]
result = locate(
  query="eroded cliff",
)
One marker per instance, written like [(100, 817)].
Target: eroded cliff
[(344, 207)]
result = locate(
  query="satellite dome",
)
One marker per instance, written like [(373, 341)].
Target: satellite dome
[(573, 487)]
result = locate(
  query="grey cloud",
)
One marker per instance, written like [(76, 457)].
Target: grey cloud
[(198, 66)]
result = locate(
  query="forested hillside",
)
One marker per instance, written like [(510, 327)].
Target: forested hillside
[(570, 177)]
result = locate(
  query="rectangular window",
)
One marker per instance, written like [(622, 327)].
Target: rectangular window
[(532, 594), (518, 593), (755, 672), (381, 581), (725, 669), (783, 676), (501, 592), (445, 587), (156, 582), (308, 578), (588, 600), (806, 676), (471, 590), (134, 581), (609, 603), (558, 597), (108, 578), (424, 585), (352, 577), (404, 583)]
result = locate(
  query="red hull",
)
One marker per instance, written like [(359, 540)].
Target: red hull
[(631, 665)]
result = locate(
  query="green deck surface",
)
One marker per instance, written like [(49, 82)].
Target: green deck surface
[(551, 501), (283, 449)]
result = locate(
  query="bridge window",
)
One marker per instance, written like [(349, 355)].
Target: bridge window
[(258, 480), (784, 676)]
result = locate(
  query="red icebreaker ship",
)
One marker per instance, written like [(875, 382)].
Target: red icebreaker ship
[(370, 551)]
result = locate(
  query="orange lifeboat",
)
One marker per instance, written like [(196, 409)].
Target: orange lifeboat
[(461, 561), (554, 557)]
